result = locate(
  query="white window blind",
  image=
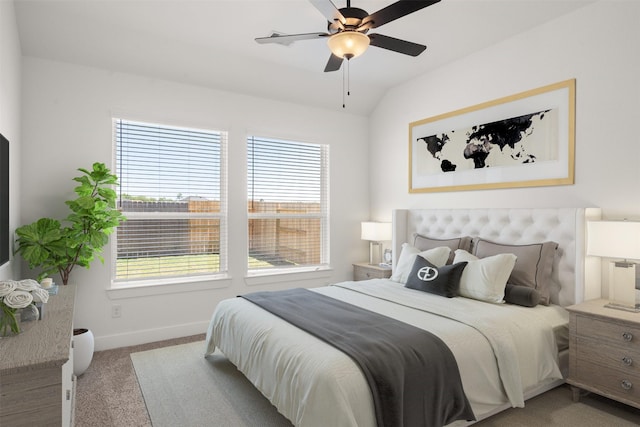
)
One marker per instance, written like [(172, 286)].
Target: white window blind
[(173, 193), (288, 204)]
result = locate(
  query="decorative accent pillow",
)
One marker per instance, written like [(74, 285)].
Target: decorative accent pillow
[(533, 267), (443, 281), (521, 295), (423, 243), (437, 256), (484, 279)]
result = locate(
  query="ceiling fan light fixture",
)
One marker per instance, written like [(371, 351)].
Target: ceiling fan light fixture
[(348, 44)]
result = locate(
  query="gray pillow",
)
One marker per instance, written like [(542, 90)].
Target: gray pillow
[(533, 266), (443, 281), (521, 295), (423, 243)]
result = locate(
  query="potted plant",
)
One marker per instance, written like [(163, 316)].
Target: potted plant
[(58, 247), (53, 246)]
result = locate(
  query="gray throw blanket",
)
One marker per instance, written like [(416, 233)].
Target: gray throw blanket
[(413, 376)]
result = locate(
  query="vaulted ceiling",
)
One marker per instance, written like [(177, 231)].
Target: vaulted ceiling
[(211, 43)]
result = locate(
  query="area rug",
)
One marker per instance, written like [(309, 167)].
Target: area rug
[(183, 388)]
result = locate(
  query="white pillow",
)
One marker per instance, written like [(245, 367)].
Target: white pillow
[(484, 278), (408, 254)]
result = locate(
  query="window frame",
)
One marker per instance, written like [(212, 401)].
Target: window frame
[(122, 288), (263, 275)]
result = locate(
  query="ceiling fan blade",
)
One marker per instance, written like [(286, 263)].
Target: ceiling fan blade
[(287, 39), (396, 45), (394, 11), (334, 63), (329, 10)]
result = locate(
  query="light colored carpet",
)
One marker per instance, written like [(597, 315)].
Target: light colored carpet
[(108, 394), (182, 388)]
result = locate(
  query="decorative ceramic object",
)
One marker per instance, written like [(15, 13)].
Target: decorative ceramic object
[(83, 346)]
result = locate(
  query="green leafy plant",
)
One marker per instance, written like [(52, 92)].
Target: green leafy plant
[(55, 246)]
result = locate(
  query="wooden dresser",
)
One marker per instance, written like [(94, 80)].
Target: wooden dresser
[(604, 352), (37, 385), (365, 271)]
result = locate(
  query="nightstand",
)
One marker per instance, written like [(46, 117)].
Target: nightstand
[(604, 352), (365, 271)]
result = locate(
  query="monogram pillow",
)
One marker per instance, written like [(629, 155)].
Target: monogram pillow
[(443, 281)]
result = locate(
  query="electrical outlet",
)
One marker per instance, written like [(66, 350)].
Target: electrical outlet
[(116, 310)]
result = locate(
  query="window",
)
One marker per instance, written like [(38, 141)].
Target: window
[(288, 204), (173, 192)]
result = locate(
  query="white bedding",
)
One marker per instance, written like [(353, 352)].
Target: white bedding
[(313, 384)]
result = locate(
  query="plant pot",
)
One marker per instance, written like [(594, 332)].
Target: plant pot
[(82, 350)]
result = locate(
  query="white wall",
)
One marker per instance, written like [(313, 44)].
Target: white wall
[(598, 45), (67, 124), (10, 62)]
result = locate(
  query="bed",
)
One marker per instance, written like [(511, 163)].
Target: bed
[(501, 362)]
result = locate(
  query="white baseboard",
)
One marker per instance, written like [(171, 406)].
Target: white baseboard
[(127, 339)]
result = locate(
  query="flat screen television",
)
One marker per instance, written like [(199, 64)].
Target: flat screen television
[(4, 200)]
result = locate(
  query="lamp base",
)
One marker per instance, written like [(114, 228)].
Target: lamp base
[(375, 255), (622, 285), (622, 307)]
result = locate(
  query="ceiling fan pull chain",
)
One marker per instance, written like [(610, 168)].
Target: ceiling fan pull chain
[(346, 87), (348, 78), (343, 77)]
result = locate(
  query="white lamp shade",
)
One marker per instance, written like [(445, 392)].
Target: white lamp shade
[(376, 231), (614, 239), (348, 43)]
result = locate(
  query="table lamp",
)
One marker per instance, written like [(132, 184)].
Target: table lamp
[(617, 239), (376, 233)]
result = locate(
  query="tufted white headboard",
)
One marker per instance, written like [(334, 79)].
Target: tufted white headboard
[(575, 278)]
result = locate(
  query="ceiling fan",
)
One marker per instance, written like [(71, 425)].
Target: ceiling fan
[(348, 28)]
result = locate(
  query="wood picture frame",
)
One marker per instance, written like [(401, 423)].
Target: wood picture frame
[(523, 140)]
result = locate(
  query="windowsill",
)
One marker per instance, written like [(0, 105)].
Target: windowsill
[(167, 286), (175, 286), (265, 277)]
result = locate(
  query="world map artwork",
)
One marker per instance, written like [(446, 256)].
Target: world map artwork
[(521, 140)]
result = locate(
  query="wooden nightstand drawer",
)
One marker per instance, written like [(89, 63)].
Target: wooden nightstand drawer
[(604, 354), (367, 271), (622, 334), (604, 351), (614, 383)]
